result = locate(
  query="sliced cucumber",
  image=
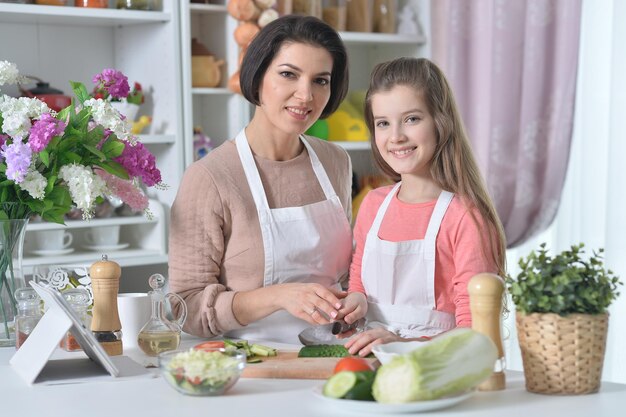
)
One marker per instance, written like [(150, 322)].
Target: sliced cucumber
[(362, 390), (339, 384)]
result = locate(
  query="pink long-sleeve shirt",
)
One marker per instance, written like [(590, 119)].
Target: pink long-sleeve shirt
[(458, 247)]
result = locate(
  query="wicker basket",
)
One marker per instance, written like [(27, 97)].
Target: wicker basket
[(562, 355)]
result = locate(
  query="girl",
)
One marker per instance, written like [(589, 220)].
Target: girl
[(420, 241), (260, 232)]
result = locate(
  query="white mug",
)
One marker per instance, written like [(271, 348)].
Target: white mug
[(134, 310), (103, 236), (53, 239)]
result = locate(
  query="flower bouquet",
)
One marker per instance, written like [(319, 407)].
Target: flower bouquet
[(50, 162)]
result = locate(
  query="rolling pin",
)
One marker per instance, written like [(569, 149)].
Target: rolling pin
[(105, 324), (485, 291)]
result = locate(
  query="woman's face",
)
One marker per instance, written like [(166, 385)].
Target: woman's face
[(296, 87), (404, 130)]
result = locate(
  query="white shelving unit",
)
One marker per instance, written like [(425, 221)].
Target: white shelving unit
[(221, 114), (59, 44)]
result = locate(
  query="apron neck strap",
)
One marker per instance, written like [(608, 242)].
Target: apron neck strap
[(254, 179), (383, 209), (438, 212)]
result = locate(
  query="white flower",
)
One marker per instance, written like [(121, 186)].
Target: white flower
[(84, 186), (34, 183), (9, 73), (18, 112), (104, 114)]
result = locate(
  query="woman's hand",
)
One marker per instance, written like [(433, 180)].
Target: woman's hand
[(312, 303), (363, 343)]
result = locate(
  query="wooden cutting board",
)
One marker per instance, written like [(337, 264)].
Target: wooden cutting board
[(288, 365)]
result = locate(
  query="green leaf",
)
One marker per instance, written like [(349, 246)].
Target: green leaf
[(44, 156), (95, 151), (80, 91), (114, 168), (113, 148)]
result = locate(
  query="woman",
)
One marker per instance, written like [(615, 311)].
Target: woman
[(260, 229)]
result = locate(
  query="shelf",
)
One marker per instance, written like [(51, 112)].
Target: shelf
[(77, 16), (354, 146), (382, 38), (211, 91), (78, 224), (149, 139), (127, 257), (207, 8)]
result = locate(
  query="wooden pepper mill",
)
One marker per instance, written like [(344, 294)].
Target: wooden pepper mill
[(105, 324), (485, 291)]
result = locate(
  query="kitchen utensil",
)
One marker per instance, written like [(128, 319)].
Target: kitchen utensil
[(320, 335), (105, 324), (341, 326), (485, 291), (160, 334), (55, 99), (222, 369), (386, 352), (287, 364)]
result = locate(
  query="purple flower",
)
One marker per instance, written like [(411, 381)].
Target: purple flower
[(18, 157), (139, 162), (113, 81), (3, 139), (43, 131)]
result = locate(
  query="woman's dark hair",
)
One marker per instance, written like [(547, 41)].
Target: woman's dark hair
[(294, 29)]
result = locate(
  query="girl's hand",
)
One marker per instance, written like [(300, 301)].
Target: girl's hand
[(312, 303), (363, 343), (354, 308)]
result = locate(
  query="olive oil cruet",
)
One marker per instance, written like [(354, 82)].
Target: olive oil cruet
[(160, 334)]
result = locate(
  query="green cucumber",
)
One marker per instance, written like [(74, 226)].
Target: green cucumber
[(340, 384), (323, 351), (362, 390)]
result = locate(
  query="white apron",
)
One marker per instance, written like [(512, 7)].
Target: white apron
[(399, 278), (312, 243)]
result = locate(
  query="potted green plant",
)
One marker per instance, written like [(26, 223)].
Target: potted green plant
[(562, 320)]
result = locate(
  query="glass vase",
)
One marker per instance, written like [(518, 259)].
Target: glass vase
[(11, 275)]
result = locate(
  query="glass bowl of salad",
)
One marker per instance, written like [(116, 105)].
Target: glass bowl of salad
[(211, 371)]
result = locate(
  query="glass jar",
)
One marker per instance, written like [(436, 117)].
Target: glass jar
[(78, 299), (28, 314), (139, 4), (52, 2), (96, 4)]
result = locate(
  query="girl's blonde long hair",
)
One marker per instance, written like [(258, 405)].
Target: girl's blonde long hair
[(453, 166)]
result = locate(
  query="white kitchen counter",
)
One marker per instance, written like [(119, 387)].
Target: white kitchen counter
[(266, 397)]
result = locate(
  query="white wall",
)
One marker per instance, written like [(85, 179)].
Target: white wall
[(592, 206)]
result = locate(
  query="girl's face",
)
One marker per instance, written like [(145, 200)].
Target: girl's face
[(404, 130), (296, 87)]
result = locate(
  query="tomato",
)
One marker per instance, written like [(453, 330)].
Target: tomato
[(352, 365), (217, 344)]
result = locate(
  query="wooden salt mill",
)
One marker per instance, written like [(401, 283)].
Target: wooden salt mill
[(105, 324), (485, 291)]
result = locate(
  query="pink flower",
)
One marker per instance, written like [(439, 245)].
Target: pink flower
[(124, 190), (43, 131), (113, 81), (139, 162)]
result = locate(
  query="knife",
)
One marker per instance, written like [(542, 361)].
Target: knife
[(341, 326)]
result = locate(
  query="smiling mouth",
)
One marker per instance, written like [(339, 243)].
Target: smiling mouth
[(402, 152), (300, 113)]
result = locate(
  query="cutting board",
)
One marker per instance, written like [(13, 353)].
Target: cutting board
[(287, 365)]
